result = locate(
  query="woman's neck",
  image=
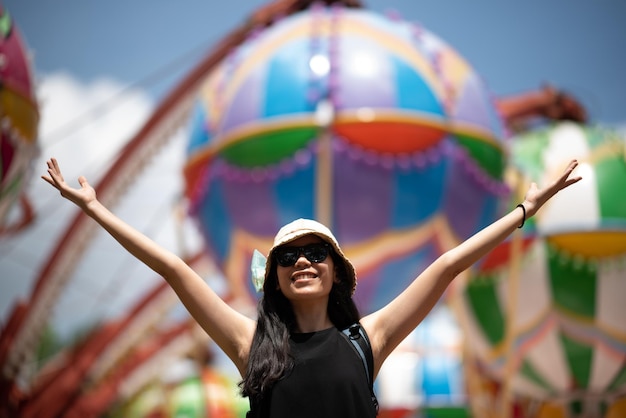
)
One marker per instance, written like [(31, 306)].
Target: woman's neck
[(311, 317)]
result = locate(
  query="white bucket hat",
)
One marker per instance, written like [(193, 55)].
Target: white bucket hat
[(293, 231)]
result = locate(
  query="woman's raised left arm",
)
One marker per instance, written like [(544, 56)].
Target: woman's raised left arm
[(391, 324)]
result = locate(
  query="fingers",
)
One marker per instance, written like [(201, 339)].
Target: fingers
[(566, 181), (54, 166), (54, 177), (51, 169), (49, 180), (540, 196), (571, 181), (83, 181), (568, 170)]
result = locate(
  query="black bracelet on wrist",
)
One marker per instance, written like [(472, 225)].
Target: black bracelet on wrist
[(524, 218)]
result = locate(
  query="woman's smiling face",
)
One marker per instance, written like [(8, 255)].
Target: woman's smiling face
[(305, 279)]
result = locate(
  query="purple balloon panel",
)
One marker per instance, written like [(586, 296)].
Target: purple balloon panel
[(388, 195), (246, 105), (469, 204), (379, 285), (473, 106)]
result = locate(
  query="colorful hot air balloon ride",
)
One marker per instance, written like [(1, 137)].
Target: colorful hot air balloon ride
[(19, 119), (371, 125), (547, 318)]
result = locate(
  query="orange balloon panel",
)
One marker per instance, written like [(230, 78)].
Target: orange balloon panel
[(592, 244), (618, 409), (391, 137), (551, 411)]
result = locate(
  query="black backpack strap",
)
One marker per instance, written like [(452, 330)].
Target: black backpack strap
[(357, 337)]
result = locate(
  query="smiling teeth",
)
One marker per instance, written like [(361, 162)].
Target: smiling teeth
[(303, 276)]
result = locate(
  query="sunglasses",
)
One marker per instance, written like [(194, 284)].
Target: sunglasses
[(315, 253)]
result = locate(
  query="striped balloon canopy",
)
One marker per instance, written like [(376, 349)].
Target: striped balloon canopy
[(369, 124), (19, 115), (546, 312)]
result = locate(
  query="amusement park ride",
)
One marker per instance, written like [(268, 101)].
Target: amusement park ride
[(116, 360)]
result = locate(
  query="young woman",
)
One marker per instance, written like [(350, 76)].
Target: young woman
[(293, 359)]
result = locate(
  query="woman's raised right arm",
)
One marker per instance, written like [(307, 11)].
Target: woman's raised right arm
[(231, 330)]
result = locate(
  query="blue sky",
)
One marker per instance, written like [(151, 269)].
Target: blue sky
[(577, 45), (86, 52)]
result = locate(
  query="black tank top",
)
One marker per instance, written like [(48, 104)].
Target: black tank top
[(328, 381)]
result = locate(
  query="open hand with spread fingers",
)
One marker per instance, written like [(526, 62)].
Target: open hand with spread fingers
[(535, 197), (82, 196)]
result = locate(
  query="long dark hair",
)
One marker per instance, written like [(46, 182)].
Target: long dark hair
[(270, 356)]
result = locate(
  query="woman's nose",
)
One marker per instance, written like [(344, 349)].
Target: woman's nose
[(302, 260)]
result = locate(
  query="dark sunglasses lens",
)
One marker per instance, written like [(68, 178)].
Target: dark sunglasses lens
[(316, 253), (287, 256)]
